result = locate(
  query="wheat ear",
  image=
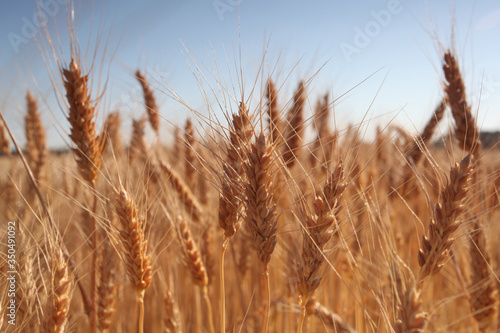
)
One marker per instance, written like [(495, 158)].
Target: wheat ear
[(27, 292), (107, 286), (177, 149), (113, 133), (262, 218), (483, 293), (410, 318), (321, 120), (150, 101), (232, 196), (295, 126), (318, 230), (189, 154), (196, 266), (466, 130), (187, 197), (4, 140), (171, 314), (261, 211), (135, 246), (36, 151), (233, 193), (437, 244), (275, 121), (61, 293), (138, 146), (81, 118)]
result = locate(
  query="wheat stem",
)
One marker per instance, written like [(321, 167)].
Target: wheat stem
[(211, 325), (141, 312), (93, 276), (302, 316), (267, 294), (222, 290)]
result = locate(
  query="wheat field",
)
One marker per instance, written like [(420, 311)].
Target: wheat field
[(269, 219)]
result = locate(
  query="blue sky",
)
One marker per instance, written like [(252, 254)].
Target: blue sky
[(380, 57)]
